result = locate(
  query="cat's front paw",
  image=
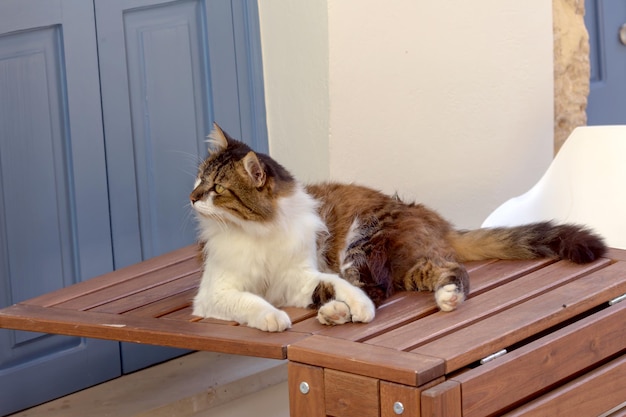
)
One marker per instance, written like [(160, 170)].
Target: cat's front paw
[(271, 321), (449, 297), (334, 312), (363, 310)]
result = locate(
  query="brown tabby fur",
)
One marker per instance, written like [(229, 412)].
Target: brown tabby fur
[(406, 246)]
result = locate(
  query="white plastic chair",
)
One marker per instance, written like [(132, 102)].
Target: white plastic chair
[(585, 183)]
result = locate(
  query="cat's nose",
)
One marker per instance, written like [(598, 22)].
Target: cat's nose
[(198, 193), (195, 196)]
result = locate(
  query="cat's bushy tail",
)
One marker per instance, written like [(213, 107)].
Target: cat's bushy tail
[(536, 240)]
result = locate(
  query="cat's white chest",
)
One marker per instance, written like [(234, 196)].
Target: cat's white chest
[(266, 259), (258, 259)]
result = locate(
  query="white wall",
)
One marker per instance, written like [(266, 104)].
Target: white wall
[(450, 103)]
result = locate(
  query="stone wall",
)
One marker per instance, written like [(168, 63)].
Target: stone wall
[(571, 68)]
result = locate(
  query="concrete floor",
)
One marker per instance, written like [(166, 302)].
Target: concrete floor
[(270, 402), (195, 385)]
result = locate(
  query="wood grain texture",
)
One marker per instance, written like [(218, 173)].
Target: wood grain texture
[(116, 277), (373, 361), (349, 395), (311, 403), (151, 294), (398, 310), (616, 254), (589, 395), (168, 305), (429, 328), (549, 360), (136, 285), (443, 400), (239, 340), (408, 347), (410, 398), (498, 272), (502, 330)]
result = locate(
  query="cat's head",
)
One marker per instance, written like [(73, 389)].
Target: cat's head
[(237, 185)]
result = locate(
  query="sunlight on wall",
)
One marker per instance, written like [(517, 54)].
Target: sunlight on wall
[(450, 106)]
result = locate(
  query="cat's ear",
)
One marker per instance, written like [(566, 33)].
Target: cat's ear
[(254, 168), (217, 140)]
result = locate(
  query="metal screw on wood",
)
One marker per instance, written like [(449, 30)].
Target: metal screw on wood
[(304, 387), (398, 407)]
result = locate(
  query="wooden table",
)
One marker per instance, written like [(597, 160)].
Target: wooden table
[(565, 345)]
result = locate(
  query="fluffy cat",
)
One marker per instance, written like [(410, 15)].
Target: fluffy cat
[(269, 242)]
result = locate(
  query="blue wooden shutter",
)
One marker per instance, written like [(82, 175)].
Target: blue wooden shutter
[(54, 217), (168, 71)]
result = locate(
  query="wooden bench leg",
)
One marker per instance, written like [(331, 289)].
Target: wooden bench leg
[(306, 390), (403, 400), (348, 395), (443, 400)]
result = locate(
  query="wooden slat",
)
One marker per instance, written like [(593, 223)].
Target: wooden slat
[(132, 286), (520, 374), (484, 305), (183, 314), (398, 310), (373, 361), (392, 394), (620, 412), (500, 272), (481, 339), (297, 314), (589, 395), (410, 398), (616, 254), (349, 395), (173, 303), (311, 402), (239, 340), (443, 400), (473, 266), (116, 277), (408, 307), (150, 294), (211, 320)]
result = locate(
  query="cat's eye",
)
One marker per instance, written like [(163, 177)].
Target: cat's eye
[(219, 188)]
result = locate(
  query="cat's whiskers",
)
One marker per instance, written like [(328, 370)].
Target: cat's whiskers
[(219, 220), (188, 216), (191, 162)]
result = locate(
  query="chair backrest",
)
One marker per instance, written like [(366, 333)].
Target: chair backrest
[(585, 183)]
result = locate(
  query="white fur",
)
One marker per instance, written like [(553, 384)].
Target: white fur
[(449, 297), (253, 268), (350, 237)]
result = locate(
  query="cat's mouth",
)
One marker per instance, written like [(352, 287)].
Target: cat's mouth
[(207, 211)]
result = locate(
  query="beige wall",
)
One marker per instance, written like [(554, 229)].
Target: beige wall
[(450, 104), (294, 36)]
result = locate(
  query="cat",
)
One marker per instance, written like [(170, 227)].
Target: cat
[(269, 241)]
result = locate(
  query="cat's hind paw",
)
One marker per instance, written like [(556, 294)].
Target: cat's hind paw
[(273, 321), (449, 297)]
